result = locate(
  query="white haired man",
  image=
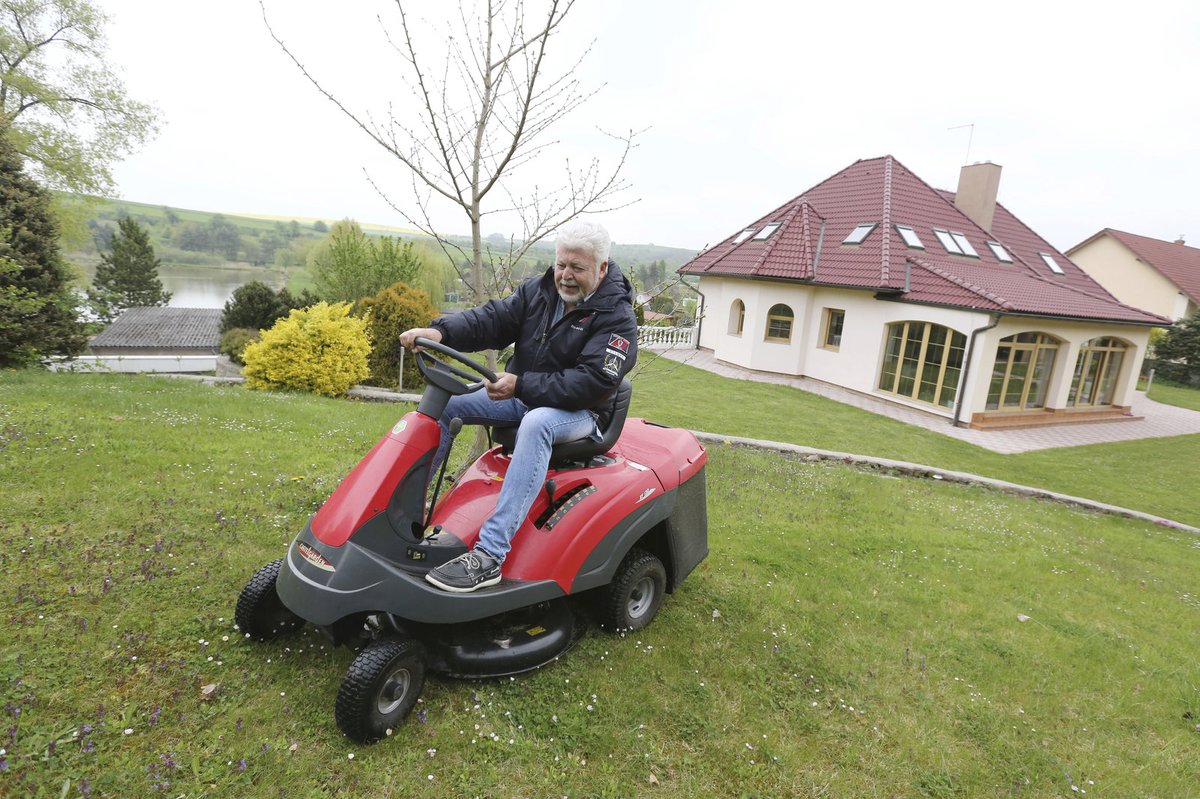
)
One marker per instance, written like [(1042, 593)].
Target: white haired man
[(575, 337)]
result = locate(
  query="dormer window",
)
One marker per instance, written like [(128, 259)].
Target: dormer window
[(999, 251), (910, 237), (860, 233), (766, 232), (745, 234), (1053, 264)]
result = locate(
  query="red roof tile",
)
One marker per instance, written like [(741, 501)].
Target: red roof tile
[(808, 247), (1178, 263)]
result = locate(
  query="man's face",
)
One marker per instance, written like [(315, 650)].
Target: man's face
[(576, 274)]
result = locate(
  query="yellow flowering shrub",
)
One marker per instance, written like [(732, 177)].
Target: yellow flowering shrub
[(322, 349)]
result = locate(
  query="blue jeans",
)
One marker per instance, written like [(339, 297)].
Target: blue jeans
[(537, 430)]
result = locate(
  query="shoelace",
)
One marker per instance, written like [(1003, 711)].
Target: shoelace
[(472, 561)]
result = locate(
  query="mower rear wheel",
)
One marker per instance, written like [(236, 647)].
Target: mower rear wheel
[(380, 688), (260, 613), (633, 598)]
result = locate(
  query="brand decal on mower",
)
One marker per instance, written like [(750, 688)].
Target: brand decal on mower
[(313, 556), (645, 494), (399, 428)]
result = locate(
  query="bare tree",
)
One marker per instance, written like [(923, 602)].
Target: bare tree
[(482, 111)]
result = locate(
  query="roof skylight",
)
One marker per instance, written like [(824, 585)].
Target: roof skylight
[(910, 237), (949, 243), (1053, 264), (860, 233), (999, 251), (964, 245), (766, 232), (745, 234)]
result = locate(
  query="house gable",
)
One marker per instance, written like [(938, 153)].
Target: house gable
[(1158, 275)]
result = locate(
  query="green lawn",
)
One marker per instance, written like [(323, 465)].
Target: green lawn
[(1172, 394), (851, 634), (1157, 475)]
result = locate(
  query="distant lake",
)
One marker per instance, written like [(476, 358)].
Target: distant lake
[(203, 286), (206, 287)]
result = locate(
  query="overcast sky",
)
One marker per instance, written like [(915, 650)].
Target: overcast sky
[(1092, 108)]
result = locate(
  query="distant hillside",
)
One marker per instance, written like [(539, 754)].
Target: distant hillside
[(187, 237), (206, 255)]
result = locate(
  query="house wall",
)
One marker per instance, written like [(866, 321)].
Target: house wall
[(857, 361), (1130, 280)]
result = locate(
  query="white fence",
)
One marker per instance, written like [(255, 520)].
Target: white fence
[(665, 338), (136, 363)]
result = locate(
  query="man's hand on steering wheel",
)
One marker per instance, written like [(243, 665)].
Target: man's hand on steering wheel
[(409, 338), (504, 387)]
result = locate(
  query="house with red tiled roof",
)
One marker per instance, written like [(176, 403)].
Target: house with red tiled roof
[(945, 301), (1160, 276)]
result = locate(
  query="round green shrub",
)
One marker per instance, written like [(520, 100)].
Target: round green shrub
[(389, 313), (322, 349), (235, 340)]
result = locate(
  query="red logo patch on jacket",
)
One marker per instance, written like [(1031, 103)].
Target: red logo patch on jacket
[(618, 343)]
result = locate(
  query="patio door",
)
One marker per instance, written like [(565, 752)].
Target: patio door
[(1096, 371), (1021, 373)]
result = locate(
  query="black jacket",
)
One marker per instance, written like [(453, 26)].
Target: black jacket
[(575, 364)]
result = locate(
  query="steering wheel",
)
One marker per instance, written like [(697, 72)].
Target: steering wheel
[(446, 375)]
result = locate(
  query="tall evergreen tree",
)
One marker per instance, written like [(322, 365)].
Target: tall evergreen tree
[(38, 314), (127, 277)]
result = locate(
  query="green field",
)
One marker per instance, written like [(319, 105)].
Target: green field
[(851, 634), (1154, 475)]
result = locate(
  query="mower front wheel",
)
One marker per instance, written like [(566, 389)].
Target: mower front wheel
[(632, 599), (260, 613), (380, 688)]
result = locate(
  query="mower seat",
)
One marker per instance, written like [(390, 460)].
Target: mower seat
[(581, 449)]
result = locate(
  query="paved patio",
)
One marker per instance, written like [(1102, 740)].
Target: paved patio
[(1159, 420)]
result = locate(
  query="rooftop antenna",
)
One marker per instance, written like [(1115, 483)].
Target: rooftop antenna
[(970, 136)]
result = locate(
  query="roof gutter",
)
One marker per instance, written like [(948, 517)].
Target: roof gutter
[(966, 373)]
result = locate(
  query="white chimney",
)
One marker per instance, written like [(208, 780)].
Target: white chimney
[(978, 185)]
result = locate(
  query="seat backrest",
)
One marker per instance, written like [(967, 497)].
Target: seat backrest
[(612, 421)]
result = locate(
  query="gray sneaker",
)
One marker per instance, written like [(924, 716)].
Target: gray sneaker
[(470, 570)]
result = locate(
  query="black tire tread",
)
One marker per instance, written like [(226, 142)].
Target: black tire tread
[(613, 598), (354, 709), (259, 612)]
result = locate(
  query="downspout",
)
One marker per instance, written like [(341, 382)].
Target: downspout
[(958, 406)]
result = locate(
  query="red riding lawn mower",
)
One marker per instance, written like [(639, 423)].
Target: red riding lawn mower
[(621, 523)]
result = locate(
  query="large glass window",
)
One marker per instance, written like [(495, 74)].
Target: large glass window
[(1021, 373), (737, 317), (1096, 372), (779, 324), (923, 361)]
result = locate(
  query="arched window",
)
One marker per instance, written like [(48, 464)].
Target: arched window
[(737, 317), (779, 324), (922, 361), (1021, 373), (1096, 372)]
